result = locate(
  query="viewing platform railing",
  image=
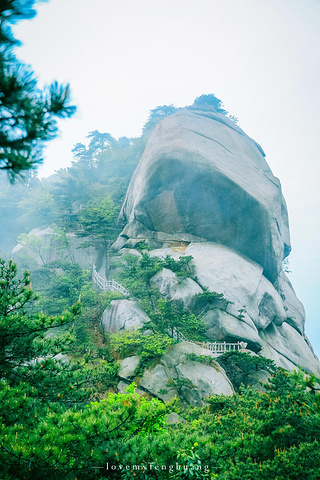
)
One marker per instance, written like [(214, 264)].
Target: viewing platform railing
[(218, 348), (224, 347)]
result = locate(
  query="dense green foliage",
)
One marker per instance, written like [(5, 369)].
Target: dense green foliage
[(239, 366), (47, 427), (59, 421), (158, 114), (27, 334), (210, 101), (213, 103), (28, 115), (166, 315), (74, 197), (137, 343)]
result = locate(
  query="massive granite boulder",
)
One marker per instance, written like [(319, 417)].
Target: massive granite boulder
[(202, 177), (267, 316), (173, 288), (203, 189)]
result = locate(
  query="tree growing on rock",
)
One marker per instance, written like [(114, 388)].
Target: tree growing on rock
[(98, 221), (158, 114), (211, 101)]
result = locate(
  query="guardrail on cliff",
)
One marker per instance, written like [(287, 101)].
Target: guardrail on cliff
[(223, 347), (104, 284), (219, 348)]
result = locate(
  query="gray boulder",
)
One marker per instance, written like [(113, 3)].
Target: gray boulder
[(292, 305), (123, 315), (48, 251), (191, 381), (254, 379), (155, 381), (203, 189), (241, 281), (222, 326), (202, 177), (122, 388), (128, 366), (272, 318), (174, 288), (288, 348)]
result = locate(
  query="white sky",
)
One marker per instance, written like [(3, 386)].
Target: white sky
[(261, 57)]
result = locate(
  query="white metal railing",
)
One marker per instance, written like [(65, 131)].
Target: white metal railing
[(107, 284), (223, 347), (178, 336), (219, 348)]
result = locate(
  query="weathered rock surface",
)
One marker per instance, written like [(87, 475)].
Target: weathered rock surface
[(128, 366), (203, 189), (123, 315), (50, 252), (202, 177), (173, 288), (288, 348), (239, 279), (269, 318), (194, 380), (292, 305), (224, 327), (156, 380), (254, 378)]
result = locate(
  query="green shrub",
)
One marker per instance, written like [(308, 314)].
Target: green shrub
[(239, 365), (135, 342)]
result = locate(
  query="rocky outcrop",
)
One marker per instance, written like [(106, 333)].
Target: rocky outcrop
[(44, 250), (128, 366), (191, 381), (202, 177), (288, 348), (224, 327), (173, 288), (123, 315), (241, 281), (292, 305), (268, 317), (204, 189)]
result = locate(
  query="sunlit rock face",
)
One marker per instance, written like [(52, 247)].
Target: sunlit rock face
[(202, 177), (203, 189)]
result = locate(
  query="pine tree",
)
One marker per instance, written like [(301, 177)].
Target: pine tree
[(54, 422), (28, 115)]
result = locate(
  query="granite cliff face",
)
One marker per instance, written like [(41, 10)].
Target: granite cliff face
[(202, 178), (203, 188)]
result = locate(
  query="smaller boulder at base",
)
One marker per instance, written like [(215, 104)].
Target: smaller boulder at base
[(123, 315)]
